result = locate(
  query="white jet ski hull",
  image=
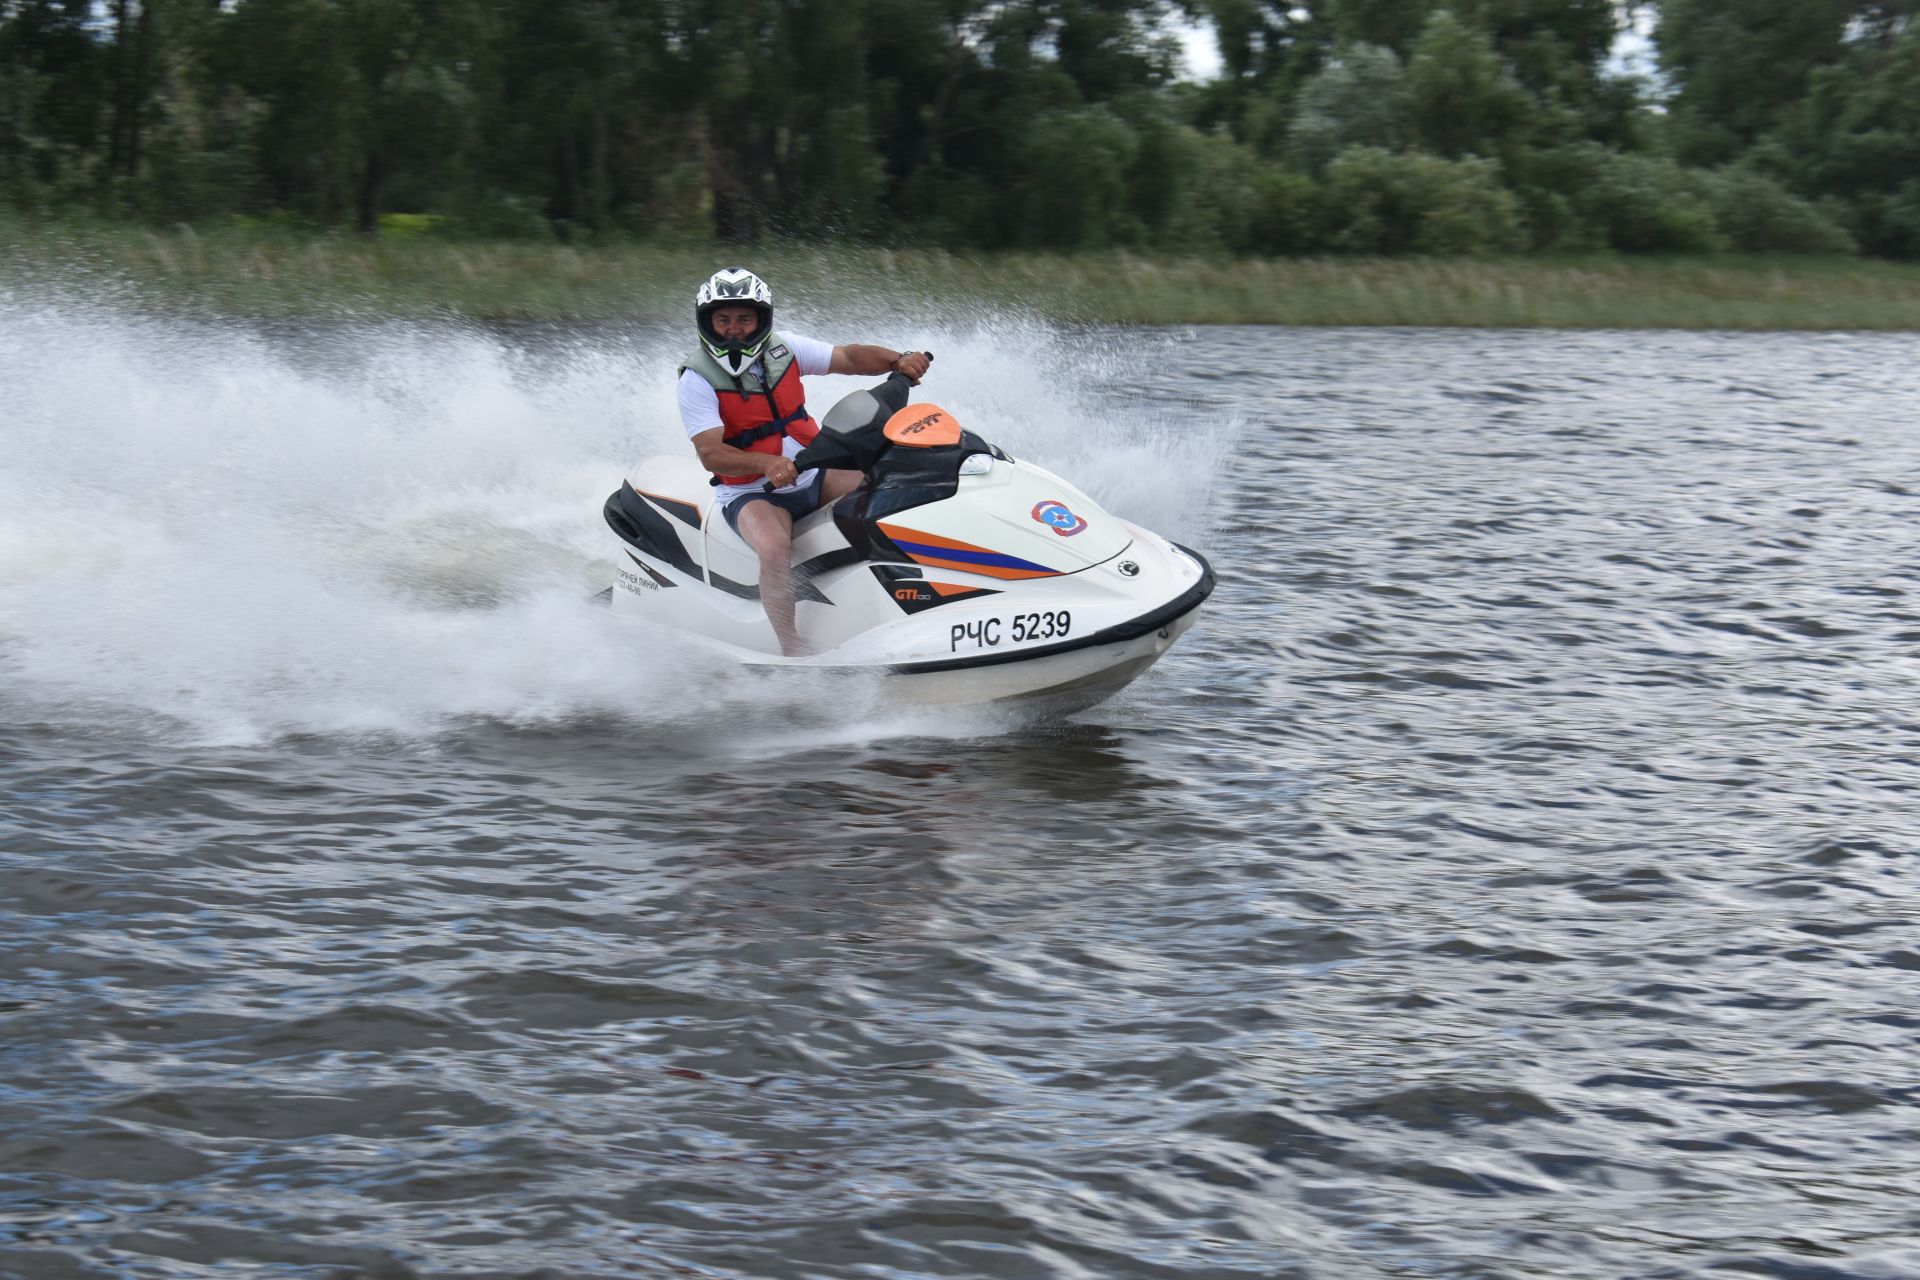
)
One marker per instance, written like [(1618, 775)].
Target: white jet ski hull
[(1008, 584)]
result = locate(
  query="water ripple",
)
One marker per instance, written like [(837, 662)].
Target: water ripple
[(1512, 876)]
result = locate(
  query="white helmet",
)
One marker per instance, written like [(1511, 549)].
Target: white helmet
[(734, 287)]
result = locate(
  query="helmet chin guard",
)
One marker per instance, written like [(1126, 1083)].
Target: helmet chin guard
[(734, 287)]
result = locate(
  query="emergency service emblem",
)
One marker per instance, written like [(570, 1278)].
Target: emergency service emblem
[(1058, 518)]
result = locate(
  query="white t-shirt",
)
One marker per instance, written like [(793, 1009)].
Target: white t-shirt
[(700, 407)]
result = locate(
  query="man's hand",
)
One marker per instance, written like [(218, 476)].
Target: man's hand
[(782, 472), (912, 364)]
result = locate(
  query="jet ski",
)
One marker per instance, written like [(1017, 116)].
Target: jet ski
[(964, 574)]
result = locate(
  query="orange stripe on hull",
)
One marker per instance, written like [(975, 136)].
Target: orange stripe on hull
[(932, 539), (911, 541)]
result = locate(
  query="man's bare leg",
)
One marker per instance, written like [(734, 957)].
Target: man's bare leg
[(836, 485), (769, 531)]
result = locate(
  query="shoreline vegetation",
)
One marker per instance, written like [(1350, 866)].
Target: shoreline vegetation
[(247, 273)]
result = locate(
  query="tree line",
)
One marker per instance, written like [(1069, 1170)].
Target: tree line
[(1360, 126)]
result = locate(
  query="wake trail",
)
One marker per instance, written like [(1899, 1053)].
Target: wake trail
[(220, 533)]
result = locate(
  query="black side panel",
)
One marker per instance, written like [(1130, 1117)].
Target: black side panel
[(641, 526), (741, 589), (825, 562), (850, 517), (907, 478), (803, 575)]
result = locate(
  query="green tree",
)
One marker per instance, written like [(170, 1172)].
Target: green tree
[(1549, 44), (829, 179), (1359, 99), (1856, 137), (588, 117), (194, 156), (56, 82), (1461, 100), (132, 57), (412, 109), (1268, 49), (1738, 65), (355, 92), (1071, 184)]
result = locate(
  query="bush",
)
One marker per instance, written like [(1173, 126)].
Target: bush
[(1758, 215), (1381, 202), (1899, 223), (411, 226), (1646, 204), (1287, 212), (1548, 182)]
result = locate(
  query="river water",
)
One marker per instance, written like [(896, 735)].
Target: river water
[(1512, 875)]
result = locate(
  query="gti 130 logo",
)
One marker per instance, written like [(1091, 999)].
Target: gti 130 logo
[(1056, 517)]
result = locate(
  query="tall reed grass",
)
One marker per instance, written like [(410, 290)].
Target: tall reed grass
[(257, 272)]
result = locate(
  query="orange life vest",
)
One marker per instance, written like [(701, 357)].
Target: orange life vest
[(756, 416)]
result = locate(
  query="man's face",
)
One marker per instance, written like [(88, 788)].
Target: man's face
[(734, 323)]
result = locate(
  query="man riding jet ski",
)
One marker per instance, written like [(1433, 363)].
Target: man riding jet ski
[(741, 402), (968, 575)]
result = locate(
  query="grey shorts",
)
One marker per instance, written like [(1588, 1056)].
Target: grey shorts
[(795, 504)]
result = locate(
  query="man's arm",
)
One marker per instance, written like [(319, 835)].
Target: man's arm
[(723, 459), (862, 360)]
